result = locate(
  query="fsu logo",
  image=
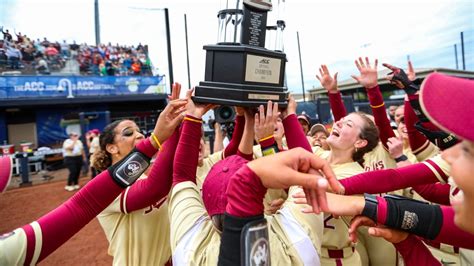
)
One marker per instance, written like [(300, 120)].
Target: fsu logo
[(133, 168), (260, 253)]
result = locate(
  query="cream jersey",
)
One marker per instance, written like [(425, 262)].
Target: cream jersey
[(207, 164), (137, 238), (379, 158), (295, 238), (13, 246)]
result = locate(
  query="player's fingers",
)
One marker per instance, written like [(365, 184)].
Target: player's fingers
[(367, 62), (380, 232), (358, 65)]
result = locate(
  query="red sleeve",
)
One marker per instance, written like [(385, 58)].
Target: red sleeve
[(233, 145), (428, 125), (245, 194), (386, 180), (415, 253), (295, 136), (380, 116), (187, 152), (437, 193), (418, 141), (337, 106), (146, 192), (66, 220), (451, 234)]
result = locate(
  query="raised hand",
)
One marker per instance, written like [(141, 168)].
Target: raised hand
[(411, 71), (175, 91), (265, 124), (169, 119), (395, 147), (368, 73), (196, 110), (328, 82), (391, 235), (291, 108), (397, 77)]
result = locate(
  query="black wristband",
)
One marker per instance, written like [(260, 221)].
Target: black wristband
[(401, 158), (370, 208), (126, 171), (416, 217)]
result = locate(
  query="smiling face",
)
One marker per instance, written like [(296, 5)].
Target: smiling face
[(127, 135), (399, 114), (345, 133), (461, 159), (402, 129), (320, 140)]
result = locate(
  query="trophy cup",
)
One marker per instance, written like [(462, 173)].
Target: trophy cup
[(243, 73)]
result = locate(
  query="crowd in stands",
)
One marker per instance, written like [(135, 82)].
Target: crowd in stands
[(28, 56)]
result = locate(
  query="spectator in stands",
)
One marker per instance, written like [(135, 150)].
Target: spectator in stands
[(74, 47), (51, 51), (45, 42), (74, 157), (6, 35), (65, 49), (14, 56), (136, 67), (41, 65)]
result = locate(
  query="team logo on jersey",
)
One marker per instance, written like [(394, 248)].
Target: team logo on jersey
[(133, 168), (410, 220), (260, 252)]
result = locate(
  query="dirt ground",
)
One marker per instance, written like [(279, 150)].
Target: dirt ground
[(23, 205)]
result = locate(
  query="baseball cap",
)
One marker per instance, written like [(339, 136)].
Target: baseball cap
[(304, 117), (5, 172), (215, 185), (437, 92), (317, 128)]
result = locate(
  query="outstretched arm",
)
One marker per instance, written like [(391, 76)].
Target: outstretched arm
[(33, 242), (369, 80), (335, 99)]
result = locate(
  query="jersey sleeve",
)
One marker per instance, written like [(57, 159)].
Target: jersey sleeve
[(185, 209)]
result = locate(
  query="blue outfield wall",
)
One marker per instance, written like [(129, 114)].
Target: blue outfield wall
[(12, 87)]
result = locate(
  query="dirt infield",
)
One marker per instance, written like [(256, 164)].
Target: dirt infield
[(24, 205)]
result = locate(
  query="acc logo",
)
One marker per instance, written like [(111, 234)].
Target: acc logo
[(265, 61), (259, 253), (132, 168), (132, 84)]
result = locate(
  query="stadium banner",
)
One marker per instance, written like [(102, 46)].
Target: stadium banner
[(76, 86)]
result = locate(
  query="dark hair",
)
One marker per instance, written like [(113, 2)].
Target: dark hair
[(102, 159), (368, 132)]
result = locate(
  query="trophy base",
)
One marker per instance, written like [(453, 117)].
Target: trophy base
[(239, 94)]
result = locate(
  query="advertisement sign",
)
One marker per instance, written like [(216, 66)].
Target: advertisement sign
[(76, 86)]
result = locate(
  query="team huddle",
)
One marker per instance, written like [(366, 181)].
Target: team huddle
[(362, 193)]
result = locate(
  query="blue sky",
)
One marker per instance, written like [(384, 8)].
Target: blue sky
[(331, 32)]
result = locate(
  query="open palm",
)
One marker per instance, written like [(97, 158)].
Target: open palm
[(327, 81), (368, 73)]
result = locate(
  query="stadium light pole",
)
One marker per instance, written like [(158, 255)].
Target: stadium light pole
[(97, 24), (301, 65)]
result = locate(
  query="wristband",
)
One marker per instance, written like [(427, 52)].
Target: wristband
[(370, 208), (192, 120), (153, 136), (129, 169), (263, 139), (401, 158)]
